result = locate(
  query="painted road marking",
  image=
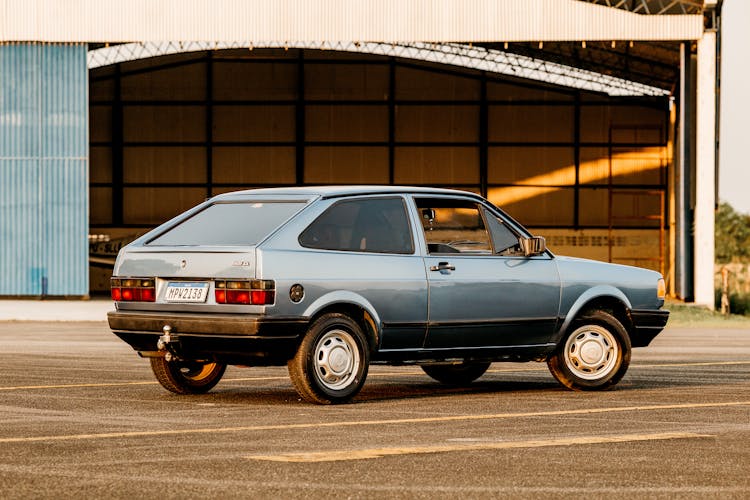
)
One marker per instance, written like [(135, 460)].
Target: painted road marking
[(706, 363), (340, 455), (371, 375), (122, 384), (244, 379), (363, 423)]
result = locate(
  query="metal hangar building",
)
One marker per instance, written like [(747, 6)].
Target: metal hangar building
[(593, 122)]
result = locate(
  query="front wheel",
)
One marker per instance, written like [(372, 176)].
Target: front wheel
[(456, 374), (187, 377), (332, 360), (593, 355)]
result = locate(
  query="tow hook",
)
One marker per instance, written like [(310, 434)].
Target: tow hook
[(168, 343)]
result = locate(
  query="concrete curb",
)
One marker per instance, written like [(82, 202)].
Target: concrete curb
[(55, 310)]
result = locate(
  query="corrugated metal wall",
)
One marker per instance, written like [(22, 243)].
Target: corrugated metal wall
[(43, 169)]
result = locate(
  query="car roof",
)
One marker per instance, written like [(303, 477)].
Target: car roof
[(340, 191)]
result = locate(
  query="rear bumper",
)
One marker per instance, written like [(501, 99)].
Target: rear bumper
[(647, 324), (231, 338)]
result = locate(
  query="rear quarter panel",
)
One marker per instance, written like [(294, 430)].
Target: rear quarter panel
[(391, 287)]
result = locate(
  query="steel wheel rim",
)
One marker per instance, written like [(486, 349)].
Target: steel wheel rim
[(591, 352), (336, 360)]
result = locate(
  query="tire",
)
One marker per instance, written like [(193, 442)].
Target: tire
[(459, 374), (187, 377), (593, 355), (331, 363)]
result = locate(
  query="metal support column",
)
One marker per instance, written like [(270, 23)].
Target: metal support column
[(299, 113), (391, 121), (118, 152), (705, 170), (684, 162), (483, 137), (209, 124), (577, 161)]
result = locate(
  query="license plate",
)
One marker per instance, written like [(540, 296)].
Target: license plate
[(186, 292)]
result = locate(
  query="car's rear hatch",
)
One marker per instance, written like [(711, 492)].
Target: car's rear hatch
[(183, 279), (186, 262), (201, 260)]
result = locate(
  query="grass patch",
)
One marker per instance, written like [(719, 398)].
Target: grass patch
[(689, 315)]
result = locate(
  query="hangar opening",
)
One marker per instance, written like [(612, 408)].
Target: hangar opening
[(442, 97), (587, 170)]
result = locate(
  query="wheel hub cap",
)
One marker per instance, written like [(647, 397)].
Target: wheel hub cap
[(591, 352), (336, 359)]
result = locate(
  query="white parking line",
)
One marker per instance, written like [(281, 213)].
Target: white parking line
[(371, 375), (121, 384), (364, 423), (341, 455), (706, 363), (244, 379)]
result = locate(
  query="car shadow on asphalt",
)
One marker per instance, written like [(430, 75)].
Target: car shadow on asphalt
[(378, 392), (408, 388), (428, 390)]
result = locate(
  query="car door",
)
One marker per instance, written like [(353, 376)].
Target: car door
[(483, 292)]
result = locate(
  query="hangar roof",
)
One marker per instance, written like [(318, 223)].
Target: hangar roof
[(634, 40), (391, 21), (657, 6), (655, 64), (652, 63)]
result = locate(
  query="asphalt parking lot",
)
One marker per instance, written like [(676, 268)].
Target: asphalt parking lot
[(82, 416)]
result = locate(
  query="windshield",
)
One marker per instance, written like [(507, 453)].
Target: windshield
[(229, 224)]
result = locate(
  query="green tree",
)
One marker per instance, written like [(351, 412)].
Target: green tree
[(732, 235)]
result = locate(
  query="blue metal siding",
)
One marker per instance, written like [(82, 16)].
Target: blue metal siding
[(43, 170), (19, 227)]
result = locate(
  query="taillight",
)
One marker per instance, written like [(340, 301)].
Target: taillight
[(133, 289), (255, 292)]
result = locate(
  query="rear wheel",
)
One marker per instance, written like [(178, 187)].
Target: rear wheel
[(457, 374), (332, 360), (187, 377), (594, 355)]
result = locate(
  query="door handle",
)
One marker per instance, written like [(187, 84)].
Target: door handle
[(443, 266)]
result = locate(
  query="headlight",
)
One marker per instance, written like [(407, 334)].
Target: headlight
[(661, 289)]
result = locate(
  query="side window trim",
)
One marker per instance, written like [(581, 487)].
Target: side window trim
[(509, 221), (486, 214), (415, 223), (518, 230)]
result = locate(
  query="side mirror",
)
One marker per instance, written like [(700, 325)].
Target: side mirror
[(535, 245)]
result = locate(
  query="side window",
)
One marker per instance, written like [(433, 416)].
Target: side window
[(504, 240), (453, 226), (363, 225)]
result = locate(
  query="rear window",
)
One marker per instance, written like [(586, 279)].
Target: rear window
[(229, 224), (362, 225)]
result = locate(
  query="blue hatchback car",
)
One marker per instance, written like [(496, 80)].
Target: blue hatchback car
[(329, 280)]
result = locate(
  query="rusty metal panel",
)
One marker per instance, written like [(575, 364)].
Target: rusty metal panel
[(43, 170)]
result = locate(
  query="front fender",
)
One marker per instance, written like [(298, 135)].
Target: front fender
[(599, 291)]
